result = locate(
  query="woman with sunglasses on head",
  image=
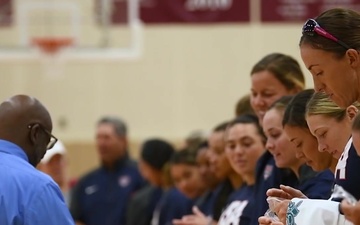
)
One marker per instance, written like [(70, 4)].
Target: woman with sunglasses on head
[(329, 47), (274, 76)]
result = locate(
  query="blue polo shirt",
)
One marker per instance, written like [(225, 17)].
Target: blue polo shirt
[(28, 196), (101, 197)]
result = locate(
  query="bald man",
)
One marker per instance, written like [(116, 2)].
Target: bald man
[(27, 196)]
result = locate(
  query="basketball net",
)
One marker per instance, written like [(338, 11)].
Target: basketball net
[(50, 49)]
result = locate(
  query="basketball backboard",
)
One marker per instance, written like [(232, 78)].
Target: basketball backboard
[(83, 27)]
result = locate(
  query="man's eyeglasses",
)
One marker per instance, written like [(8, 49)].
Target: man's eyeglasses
[(311, 27), (53, 139)]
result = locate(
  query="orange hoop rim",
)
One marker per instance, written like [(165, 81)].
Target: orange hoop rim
[(52, 45)]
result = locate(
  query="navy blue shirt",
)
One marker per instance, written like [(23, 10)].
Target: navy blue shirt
[(206, 202), (101, 197), (28, 196), (172, 205), (240, 207), (315, 185), (269, 176), (347, 170), (142, 205), (221, 197)]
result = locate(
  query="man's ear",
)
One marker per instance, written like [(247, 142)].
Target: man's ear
[(34, 133)]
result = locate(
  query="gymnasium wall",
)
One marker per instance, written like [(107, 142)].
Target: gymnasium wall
[(189, 77)]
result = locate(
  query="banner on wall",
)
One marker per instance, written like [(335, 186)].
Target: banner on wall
[(300, 10), (6, 12), (195, 11), (185, 11)]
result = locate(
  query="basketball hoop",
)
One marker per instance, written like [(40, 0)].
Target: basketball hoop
[(52, 45), (50, 48)]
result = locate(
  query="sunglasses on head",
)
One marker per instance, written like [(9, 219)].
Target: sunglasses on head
[(311, 28)]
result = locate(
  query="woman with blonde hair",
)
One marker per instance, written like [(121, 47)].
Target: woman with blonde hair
[(314, 178), (331, 125)]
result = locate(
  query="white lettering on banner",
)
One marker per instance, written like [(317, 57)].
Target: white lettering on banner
[(292, 11), (194, 5), (233, 212), (299, 1)]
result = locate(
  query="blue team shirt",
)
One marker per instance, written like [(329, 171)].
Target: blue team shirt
[(172, 205), (142, 205), (240, 207), (347, 170), (315, 185), (221, 197), (101, 197), (28, 196), (269, 176), (206, 202)]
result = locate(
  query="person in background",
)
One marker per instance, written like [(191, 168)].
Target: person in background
[(27, 195), (222, 170), (186, 175), (274, 76), (204, 205), (178, 200), (102, 195), (243, 106), (54, 164), (206, 201), (245, 143), (195, 139), (154, 157), (203, 162), (313, 184)]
